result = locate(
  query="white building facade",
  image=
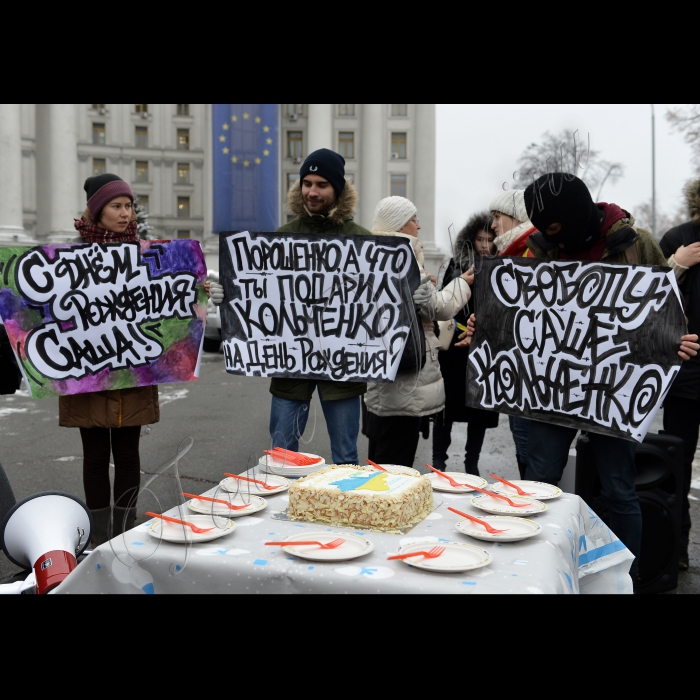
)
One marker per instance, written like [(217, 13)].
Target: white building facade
[(164, 151)]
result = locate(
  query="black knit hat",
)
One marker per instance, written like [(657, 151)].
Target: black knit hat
[(101, 189), (328, 164), (564, 199)]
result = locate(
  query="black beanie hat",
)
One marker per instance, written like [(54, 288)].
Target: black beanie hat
[(328, 164), (101, 189), (564, 199)]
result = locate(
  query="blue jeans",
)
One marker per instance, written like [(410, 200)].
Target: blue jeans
[(520, 428), (548, 451), (288, 421)]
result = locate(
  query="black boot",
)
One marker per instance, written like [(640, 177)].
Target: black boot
[(120, 516), (100, 527)]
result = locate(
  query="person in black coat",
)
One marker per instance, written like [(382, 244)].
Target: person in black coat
[(475, 239), (681, 245), (10, 375)]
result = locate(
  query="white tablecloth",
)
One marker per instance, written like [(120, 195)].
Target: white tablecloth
[(575, 553)]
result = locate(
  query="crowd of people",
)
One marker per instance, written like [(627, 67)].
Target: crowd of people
[(538, 222)]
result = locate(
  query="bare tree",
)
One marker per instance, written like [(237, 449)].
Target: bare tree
[(565, 152), (687, 121), (664, 220)]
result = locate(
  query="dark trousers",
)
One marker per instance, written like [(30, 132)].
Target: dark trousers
[(393, 439), (442, 439), (547, 453), (124, 445), (682, 419)]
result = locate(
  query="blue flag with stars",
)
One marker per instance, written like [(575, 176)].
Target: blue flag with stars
[(246, 191)]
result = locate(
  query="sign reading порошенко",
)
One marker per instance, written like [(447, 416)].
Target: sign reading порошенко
[(335, 307)]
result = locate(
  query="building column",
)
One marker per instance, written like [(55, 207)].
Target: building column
[(11, 216), (372, 163), (424, 187), (58, 191), (320, 128)]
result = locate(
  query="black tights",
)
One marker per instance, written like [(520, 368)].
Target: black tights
[(127, 466)]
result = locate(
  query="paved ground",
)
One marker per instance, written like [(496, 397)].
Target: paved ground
[(227, 417)]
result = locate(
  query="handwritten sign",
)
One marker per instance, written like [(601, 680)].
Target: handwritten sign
[(91, 317), (333, 307), (580, 344)]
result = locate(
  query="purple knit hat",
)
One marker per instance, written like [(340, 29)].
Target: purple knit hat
[(102, 189)]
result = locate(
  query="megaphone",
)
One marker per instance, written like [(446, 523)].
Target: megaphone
[(47, 532)]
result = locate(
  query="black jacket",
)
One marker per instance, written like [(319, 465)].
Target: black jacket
[(687, 384), (10, 376)]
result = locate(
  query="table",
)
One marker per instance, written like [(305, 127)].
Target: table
[(575, 553)]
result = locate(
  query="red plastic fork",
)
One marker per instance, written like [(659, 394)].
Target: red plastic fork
[(431, 554), (254, 481), (513, 486), (295, 458), (194, 528), (503, 498), (453, 483), (215, 500), (328, 545), (491, 530), (375, 465)]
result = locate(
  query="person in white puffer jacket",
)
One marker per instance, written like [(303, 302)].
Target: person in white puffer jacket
[(395, 410)]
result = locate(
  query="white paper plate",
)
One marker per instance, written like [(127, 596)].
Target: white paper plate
[(439, 483), (353, 547), (399, 469), (456, 557), (498, 507), (271, 465), (517, 528), (255, 504), (538, 489), (172, 532), (243, 487)]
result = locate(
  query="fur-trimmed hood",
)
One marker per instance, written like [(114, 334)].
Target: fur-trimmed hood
[(692, 200), (344, 207)]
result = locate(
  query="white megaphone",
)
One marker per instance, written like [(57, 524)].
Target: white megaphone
[(46, 532)]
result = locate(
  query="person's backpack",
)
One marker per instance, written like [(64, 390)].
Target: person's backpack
[(10, 375)]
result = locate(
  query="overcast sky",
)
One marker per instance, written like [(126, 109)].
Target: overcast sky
[(478, 147)]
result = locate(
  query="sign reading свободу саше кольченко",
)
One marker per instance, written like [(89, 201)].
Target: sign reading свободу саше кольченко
[(324, 307), (580, 344), (98, 316)]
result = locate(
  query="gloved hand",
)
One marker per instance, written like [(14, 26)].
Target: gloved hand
[(425, 297), (217, 293)]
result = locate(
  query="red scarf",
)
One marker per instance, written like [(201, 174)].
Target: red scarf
[(91, 233)]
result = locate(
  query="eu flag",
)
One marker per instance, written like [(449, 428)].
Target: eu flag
[(246, 191)]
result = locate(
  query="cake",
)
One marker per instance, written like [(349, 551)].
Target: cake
[(361, 497)]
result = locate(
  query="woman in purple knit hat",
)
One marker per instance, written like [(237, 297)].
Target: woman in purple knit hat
[(110, 421)]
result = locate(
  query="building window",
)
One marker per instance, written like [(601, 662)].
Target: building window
[(294, 144), (183, 234), (399, 110), (143, 202), (98, 107), (294, 109), (141, 109), (346, 144), (398, 185), (99, 134), (183, 207), (346, 110), (183, 110), (99, 166), (183, 173), (291, 179), (141, 134), (398, 144), (141, 171), (183, 139), (350, 177)]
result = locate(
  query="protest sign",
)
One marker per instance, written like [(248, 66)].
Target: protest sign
[(335, 307), (580, 344), (95, 316)]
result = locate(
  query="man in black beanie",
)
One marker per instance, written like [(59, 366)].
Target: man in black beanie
[(323, 202), (572, 227)]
